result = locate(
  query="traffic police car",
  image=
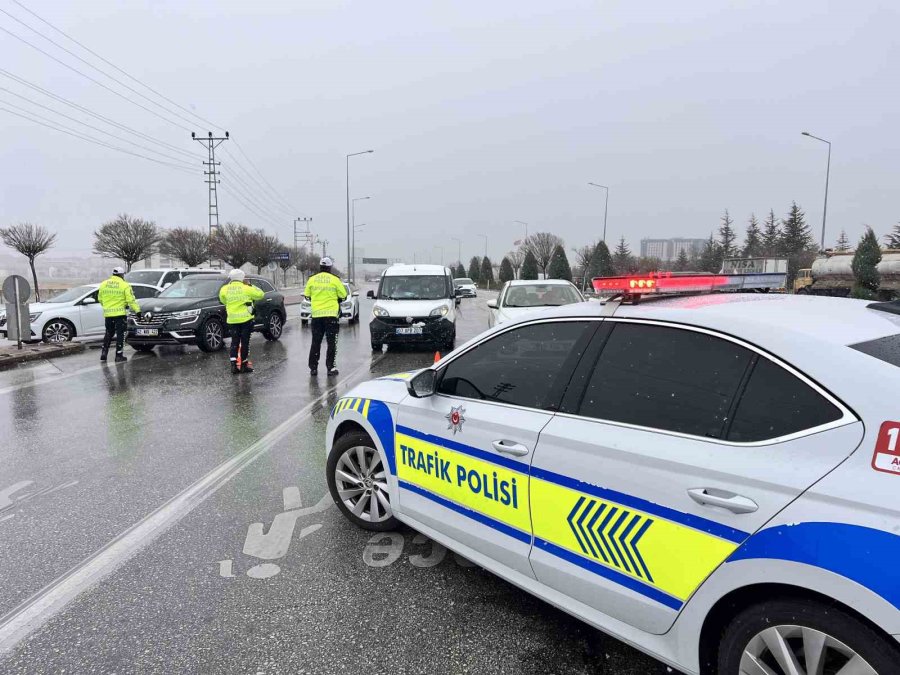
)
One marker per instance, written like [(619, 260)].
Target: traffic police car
[(713, 479)]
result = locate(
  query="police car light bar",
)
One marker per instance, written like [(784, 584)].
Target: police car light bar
[(660, 282)]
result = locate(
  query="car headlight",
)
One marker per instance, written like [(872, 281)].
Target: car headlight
[(305, 304), (347, 305), (186, 314), (34, 316), (380, 311), (443, 310)]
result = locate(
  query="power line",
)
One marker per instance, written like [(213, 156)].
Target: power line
[(274, 191), (247, 192), (77, 121), (230, 189), (262, 189), (265, 206), (95, 81), (94, 114), (90, 139), (91, 65), (236, 190), (113, 65)]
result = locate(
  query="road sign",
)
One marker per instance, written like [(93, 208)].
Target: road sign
[(9, 288), (375, 261), (283, 255), (272, 266)]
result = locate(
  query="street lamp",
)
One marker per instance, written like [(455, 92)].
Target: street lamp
[(349, 235), (351, 273), (522, 222), (459, 249), (827, 173), (355, 228), (605, 207)]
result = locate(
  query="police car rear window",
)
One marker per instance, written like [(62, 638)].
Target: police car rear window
[(885, 349)]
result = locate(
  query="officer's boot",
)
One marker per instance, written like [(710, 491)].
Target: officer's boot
[(247, 366), (104, 352), (235, 368), (120, 357)]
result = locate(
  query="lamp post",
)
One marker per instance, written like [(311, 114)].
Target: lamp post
[(355, 228), (522, 222), (351, 273), (827, 173), (349, 234), (605, 207), (459, 248)]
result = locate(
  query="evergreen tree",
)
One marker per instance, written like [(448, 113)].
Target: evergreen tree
[(559, 265), (682, 262), (865, 271), (893, 239), (649, 264), (771, 237), (797, 244), (506, 271), (753, 246), (460, 271), (529, 267), (601, 262), (711, 256), (727, 236), (843, 243), (475, 269), (623, 261), (487, 272)]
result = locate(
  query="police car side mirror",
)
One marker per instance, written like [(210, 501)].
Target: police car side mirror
[(370, 294), (423, 384)]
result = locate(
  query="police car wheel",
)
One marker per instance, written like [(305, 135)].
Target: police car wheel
[(803, 636), (357, 480)]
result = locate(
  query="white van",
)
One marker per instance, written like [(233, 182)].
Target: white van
[(414, 304)]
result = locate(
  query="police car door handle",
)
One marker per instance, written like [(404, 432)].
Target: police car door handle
[(510, 448), (724, 499)]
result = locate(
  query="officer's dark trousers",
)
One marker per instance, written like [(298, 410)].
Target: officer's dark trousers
[(327, 327), (240, 336), (114, 325)]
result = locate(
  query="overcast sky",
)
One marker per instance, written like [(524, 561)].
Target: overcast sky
[(480, 114)]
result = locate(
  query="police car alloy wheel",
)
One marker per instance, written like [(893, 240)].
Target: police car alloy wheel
[(357, 480), (803, 637), (58, 330)]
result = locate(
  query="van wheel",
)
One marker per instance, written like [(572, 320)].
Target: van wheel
[(803, 636)]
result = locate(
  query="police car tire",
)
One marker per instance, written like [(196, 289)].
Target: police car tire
[(303, 322), (340, 445), (875, 648)]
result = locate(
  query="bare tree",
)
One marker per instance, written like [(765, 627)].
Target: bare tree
[(126, 238), (516, 258), (294, 255), (302, 262), (541, 245), (231, 243), (263, 248), (583, 256), (189, 246), (31, 241)]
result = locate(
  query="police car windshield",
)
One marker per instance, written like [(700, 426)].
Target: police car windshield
[(414, 287), (143, 277), (194, 287), (541, 295), (71, 294)]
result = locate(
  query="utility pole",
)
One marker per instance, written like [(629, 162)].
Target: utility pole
[(305, 236), (324, 243), (211, 143)]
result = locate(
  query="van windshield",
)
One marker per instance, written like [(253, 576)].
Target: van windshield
[(414, 287)]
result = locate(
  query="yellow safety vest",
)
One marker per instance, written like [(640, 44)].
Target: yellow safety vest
[(115, 295), (238, 299), (325, 291)]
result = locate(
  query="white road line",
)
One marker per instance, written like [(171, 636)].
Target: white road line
[(53, 598)]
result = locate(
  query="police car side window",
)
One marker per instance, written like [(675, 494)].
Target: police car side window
[(666, 378), (518, 367), (776, 403)]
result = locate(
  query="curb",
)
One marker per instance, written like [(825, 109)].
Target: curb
[(10, 356)]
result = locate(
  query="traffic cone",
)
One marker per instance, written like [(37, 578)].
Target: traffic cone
[(437, 357), (239, 358)]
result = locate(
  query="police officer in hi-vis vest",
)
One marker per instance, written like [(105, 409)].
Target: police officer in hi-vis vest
[(238, 296), (325, 292), (116, 297)]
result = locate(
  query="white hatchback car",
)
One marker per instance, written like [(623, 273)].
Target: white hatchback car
[(521, 296), (349, 307), (711, 479), (73, 313)]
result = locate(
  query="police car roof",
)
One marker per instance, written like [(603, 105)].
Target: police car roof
[(540, 282), (408, 270)]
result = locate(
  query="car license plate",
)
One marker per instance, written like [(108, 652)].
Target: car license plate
[(149, 332), (410, 330)]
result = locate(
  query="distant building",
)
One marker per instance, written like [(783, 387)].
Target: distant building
[(670, 249)]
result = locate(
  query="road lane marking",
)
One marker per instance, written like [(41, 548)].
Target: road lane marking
[(37, 610)]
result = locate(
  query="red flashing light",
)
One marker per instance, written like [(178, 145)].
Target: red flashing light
[(661, 282)]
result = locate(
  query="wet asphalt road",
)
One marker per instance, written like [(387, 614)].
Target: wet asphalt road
[(133, 580)]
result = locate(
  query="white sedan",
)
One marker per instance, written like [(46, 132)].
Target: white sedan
[(349, 307), (713, 480), (73, 313), (518, 297)]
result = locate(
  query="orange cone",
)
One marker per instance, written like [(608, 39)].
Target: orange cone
[(437, 357)]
